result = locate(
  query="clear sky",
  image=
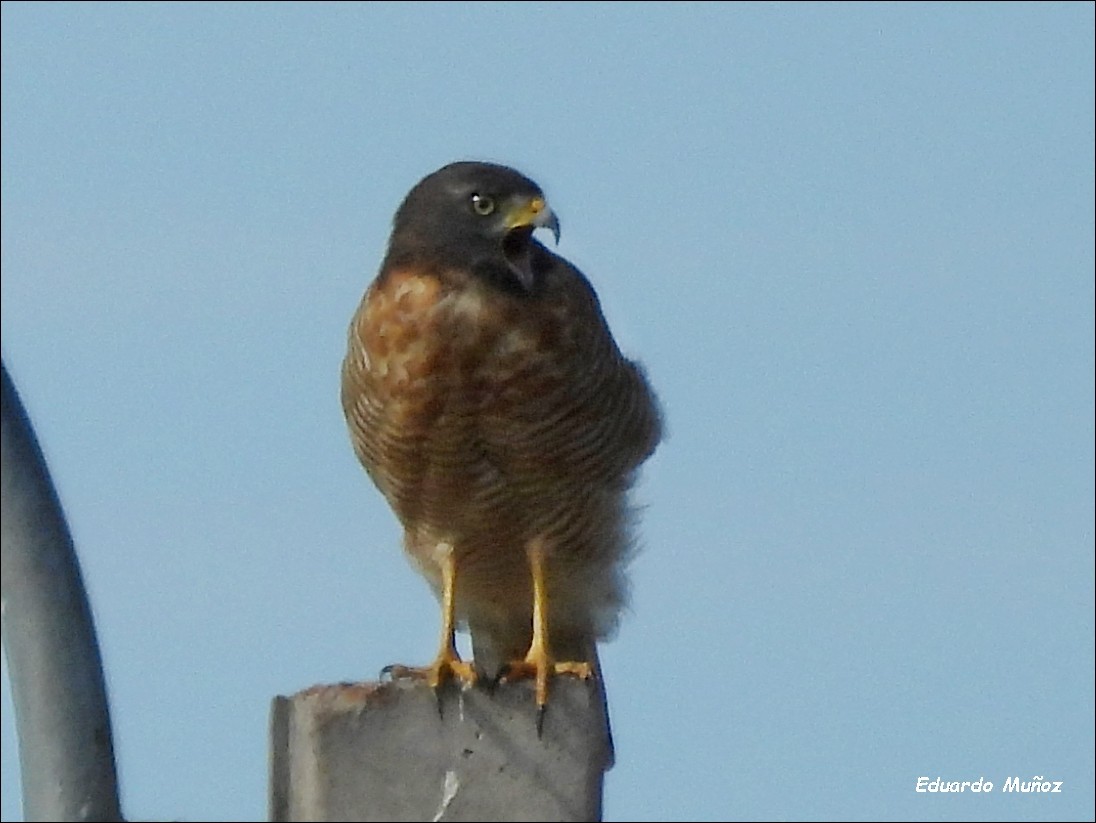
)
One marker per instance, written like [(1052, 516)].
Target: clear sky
[(852, 243)]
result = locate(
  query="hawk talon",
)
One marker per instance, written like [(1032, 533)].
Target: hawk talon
[(393, 672), (436, 675), (530, 669), (540, 670)]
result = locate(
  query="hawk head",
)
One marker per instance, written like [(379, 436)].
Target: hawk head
[(476, 216)]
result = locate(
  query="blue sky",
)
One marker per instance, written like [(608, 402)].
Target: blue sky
[(852, 244)]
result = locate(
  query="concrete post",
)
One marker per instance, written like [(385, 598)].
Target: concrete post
[(384, 751)]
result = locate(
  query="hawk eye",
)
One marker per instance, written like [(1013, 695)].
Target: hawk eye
[(482, 204)]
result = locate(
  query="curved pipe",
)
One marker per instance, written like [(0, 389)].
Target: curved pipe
[(66, 750)]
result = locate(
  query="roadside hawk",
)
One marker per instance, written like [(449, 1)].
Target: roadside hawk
[(490, 404)]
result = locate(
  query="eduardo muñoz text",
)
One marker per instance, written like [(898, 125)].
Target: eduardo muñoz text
[(1012, 784)]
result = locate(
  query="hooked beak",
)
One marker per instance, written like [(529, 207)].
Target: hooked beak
[(533, 212)]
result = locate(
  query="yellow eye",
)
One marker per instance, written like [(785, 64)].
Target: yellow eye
[(482, 204)]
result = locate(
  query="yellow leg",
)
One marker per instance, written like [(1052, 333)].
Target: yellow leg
[(538, 661), (447, 665)]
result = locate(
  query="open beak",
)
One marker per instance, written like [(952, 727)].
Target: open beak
[(533, 212)]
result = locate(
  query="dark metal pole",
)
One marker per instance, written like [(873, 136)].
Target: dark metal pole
[(66, 751)]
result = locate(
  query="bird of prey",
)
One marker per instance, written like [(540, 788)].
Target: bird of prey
[(489, 403)]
